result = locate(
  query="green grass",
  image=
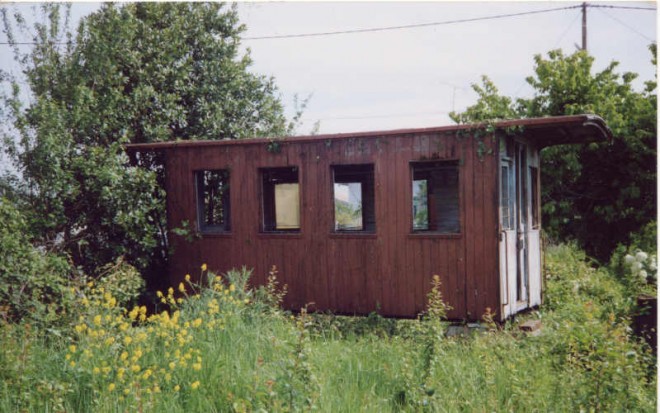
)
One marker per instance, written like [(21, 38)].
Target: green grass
[(258, 358)]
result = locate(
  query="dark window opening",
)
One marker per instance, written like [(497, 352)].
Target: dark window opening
[(435, 200), (353, 193), (213, 211), (280, 199), (534, 172)]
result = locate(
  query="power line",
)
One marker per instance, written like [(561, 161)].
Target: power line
[(403, 27), (627, 26), (603, 6), (557, 43), (410, 26)]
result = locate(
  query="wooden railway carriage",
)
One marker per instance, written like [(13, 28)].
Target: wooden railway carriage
[(360, 222)]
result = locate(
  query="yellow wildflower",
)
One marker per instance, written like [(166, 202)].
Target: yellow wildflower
[(97, 320), (177, 388), (124, 355), (96, 370), (72, 348), (197, 366), (197, 322), (127, 340), (204, 267), (232, 288), (194, 385), (182, 288), (170, 291), (187, 277), (111, 387), (159, 294)]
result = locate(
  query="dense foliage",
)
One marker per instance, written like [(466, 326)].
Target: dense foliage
[(219, 346), (599, 193), (131, 73)]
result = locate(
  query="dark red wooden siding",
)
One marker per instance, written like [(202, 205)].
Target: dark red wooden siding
[(389, 271)]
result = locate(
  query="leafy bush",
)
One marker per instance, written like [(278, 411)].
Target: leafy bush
[(122, 280), (572, 278), (34, 284), (636, 264)]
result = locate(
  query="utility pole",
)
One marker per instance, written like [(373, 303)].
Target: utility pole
[(584, 26)]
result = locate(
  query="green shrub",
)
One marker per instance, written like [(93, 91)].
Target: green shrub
[(570, 277), (636, 264), (122, 280), (34, 284)]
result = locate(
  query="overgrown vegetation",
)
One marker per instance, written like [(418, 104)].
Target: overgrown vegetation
[(129, 73), (220, 346), (598, 194), (80, 230)]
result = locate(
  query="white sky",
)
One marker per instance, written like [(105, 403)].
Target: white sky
[(415, 77)]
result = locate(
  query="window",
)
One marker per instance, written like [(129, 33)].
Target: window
[(281, 199), (435, 197), (354, 198), (507, 196), (534, 176), (213, 212)]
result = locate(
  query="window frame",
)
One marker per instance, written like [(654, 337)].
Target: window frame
[(225, 226), (268, 224), (535, 204), (367, 181), (440, 164)]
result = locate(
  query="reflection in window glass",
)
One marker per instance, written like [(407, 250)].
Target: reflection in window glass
[(435, 202), (348, 206), (354, 197), (420, 205), (507, 197)]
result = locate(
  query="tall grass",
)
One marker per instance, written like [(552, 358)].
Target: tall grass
[(219, 346)]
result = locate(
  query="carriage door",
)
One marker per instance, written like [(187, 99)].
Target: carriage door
[(514, 191)]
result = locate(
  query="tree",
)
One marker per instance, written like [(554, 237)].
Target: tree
[(139, 72), (597, 193)]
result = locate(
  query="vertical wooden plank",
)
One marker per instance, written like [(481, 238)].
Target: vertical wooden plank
[(491, 219), (468, 228)]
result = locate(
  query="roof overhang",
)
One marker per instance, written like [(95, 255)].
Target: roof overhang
[(561, 130), (542, 132)]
